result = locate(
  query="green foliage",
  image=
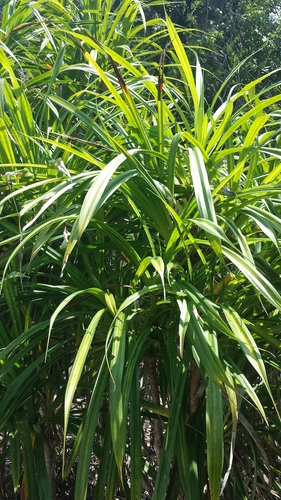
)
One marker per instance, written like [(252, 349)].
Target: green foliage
[(140, 260)]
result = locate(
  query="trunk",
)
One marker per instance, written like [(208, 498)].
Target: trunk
[(50, 460), (196, 390), (150, 364)]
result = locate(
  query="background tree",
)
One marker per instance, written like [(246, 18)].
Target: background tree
[(231, 31)]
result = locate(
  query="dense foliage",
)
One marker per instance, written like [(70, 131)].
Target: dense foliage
[(140, 262)]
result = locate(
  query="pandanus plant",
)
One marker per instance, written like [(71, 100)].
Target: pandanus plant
[(140, 263)]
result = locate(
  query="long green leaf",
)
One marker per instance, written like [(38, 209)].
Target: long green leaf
[(203, 195), (184, 63), (248, 345), (118, 414), (135, 435), (14, 452), (214, 435), (260, 283), (91, 203), (89, 431), (28, 461), (78, 367)]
